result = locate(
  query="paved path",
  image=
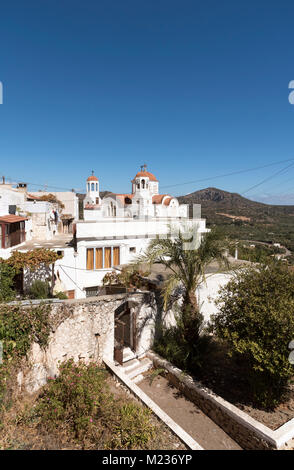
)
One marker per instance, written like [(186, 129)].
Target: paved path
[(187, 415)]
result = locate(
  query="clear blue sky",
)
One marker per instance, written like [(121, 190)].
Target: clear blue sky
[(194, 89)]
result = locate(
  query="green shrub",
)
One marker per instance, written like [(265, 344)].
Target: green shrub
[(79, 401), (256, 319), (132, 428), (7, 274), (75, 397), (185, 345), (60, 295), (40, 290), (18, 329)]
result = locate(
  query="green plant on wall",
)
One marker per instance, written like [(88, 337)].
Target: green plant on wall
[(7, 274)]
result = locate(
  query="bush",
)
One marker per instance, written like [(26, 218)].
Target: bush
[(18, 329), (185, 344), (60, 295), (256, 319), (40, 290), (7, 274), (79, 401)]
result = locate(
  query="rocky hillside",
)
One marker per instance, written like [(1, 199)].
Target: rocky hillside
[(220, 206)]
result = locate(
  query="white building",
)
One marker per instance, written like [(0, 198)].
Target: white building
[(143, 201), (117, 228), (23, 217)]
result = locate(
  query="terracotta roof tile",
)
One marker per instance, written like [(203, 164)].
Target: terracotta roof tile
[(157, 198), (145, 173)]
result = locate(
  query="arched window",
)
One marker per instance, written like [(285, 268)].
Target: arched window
[(88, 187), (138, 184), (143, 184), (97, 187), (92, 187)]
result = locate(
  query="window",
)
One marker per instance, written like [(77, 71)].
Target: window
[(90, 258), (99, 258), (107, 257), (92, 291), (92, 187), (132, 249), (115, 255), (102, 258)]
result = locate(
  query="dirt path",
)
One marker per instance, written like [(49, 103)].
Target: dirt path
[(187, 415)]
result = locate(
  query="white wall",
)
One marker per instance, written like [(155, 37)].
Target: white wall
[(9, 196), (209, 291), (68, 198)]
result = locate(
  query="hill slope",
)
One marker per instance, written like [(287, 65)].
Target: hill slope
[(243, 218)]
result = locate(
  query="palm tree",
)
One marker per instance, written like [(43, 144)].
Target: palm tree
[(187, 262)]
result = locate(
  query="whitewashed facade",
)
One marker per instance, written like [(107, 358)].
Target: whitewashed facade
[(116, 229)]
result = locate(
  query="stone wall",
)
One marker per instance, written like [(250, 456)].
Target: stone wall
[(80, 330), (84, 329)]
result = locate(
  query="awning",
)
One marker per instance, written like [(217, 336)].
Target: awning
[(12, 219)]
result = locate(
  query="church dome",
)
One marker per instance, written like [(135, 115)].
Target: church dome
[(92, 177), (143, 173)]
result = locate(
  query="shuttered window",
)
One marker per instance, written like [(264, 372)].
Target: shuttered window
[(107, 257), (99, 258), (103, 258), (90, 258), (115, 255)]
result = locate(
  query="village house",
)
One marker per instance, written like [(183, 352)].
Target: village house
[(24, 217)]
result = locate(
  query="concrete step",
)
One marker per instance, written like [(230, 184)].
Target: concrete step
[(128, 355), (138, 379), (130, 365), (144, 365)]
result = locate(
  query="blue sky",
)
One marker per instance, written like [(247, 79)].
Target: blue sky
[(193, 89)]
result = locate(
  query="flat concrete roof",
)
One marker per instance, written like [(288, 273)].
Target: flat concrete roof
[(59, 242)]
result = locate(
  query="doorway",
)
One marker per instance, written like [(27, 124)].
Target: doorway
[(125, 334)]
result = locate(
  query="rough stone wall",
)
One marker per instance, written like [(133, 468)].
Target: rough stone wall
[(84, 330), (80, 330)]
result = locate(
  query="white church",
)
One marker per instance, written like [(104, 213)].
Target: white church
[(143, 201)]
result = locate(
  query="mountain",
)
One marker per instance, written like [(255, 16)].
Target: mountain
[(221, 205), (243, 218)]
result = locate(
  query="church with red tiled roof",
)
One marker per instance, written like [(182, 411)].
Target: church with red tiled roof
[(143, 201)]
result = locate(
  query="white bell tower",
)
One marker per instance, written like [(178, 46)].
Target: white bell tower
[(92, 190)]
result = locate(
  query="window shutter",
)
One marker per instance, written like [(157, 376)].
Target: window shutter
[(116, 256), (90, 258), (99, 258), (107, 257)]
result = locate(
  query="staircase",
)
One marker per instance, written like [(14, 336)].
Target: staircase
[(133, 367)]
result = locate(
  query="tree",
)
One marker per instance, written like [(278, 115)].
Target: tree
[(53, 199), (256, 319), (187, 258), (32, 260)]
